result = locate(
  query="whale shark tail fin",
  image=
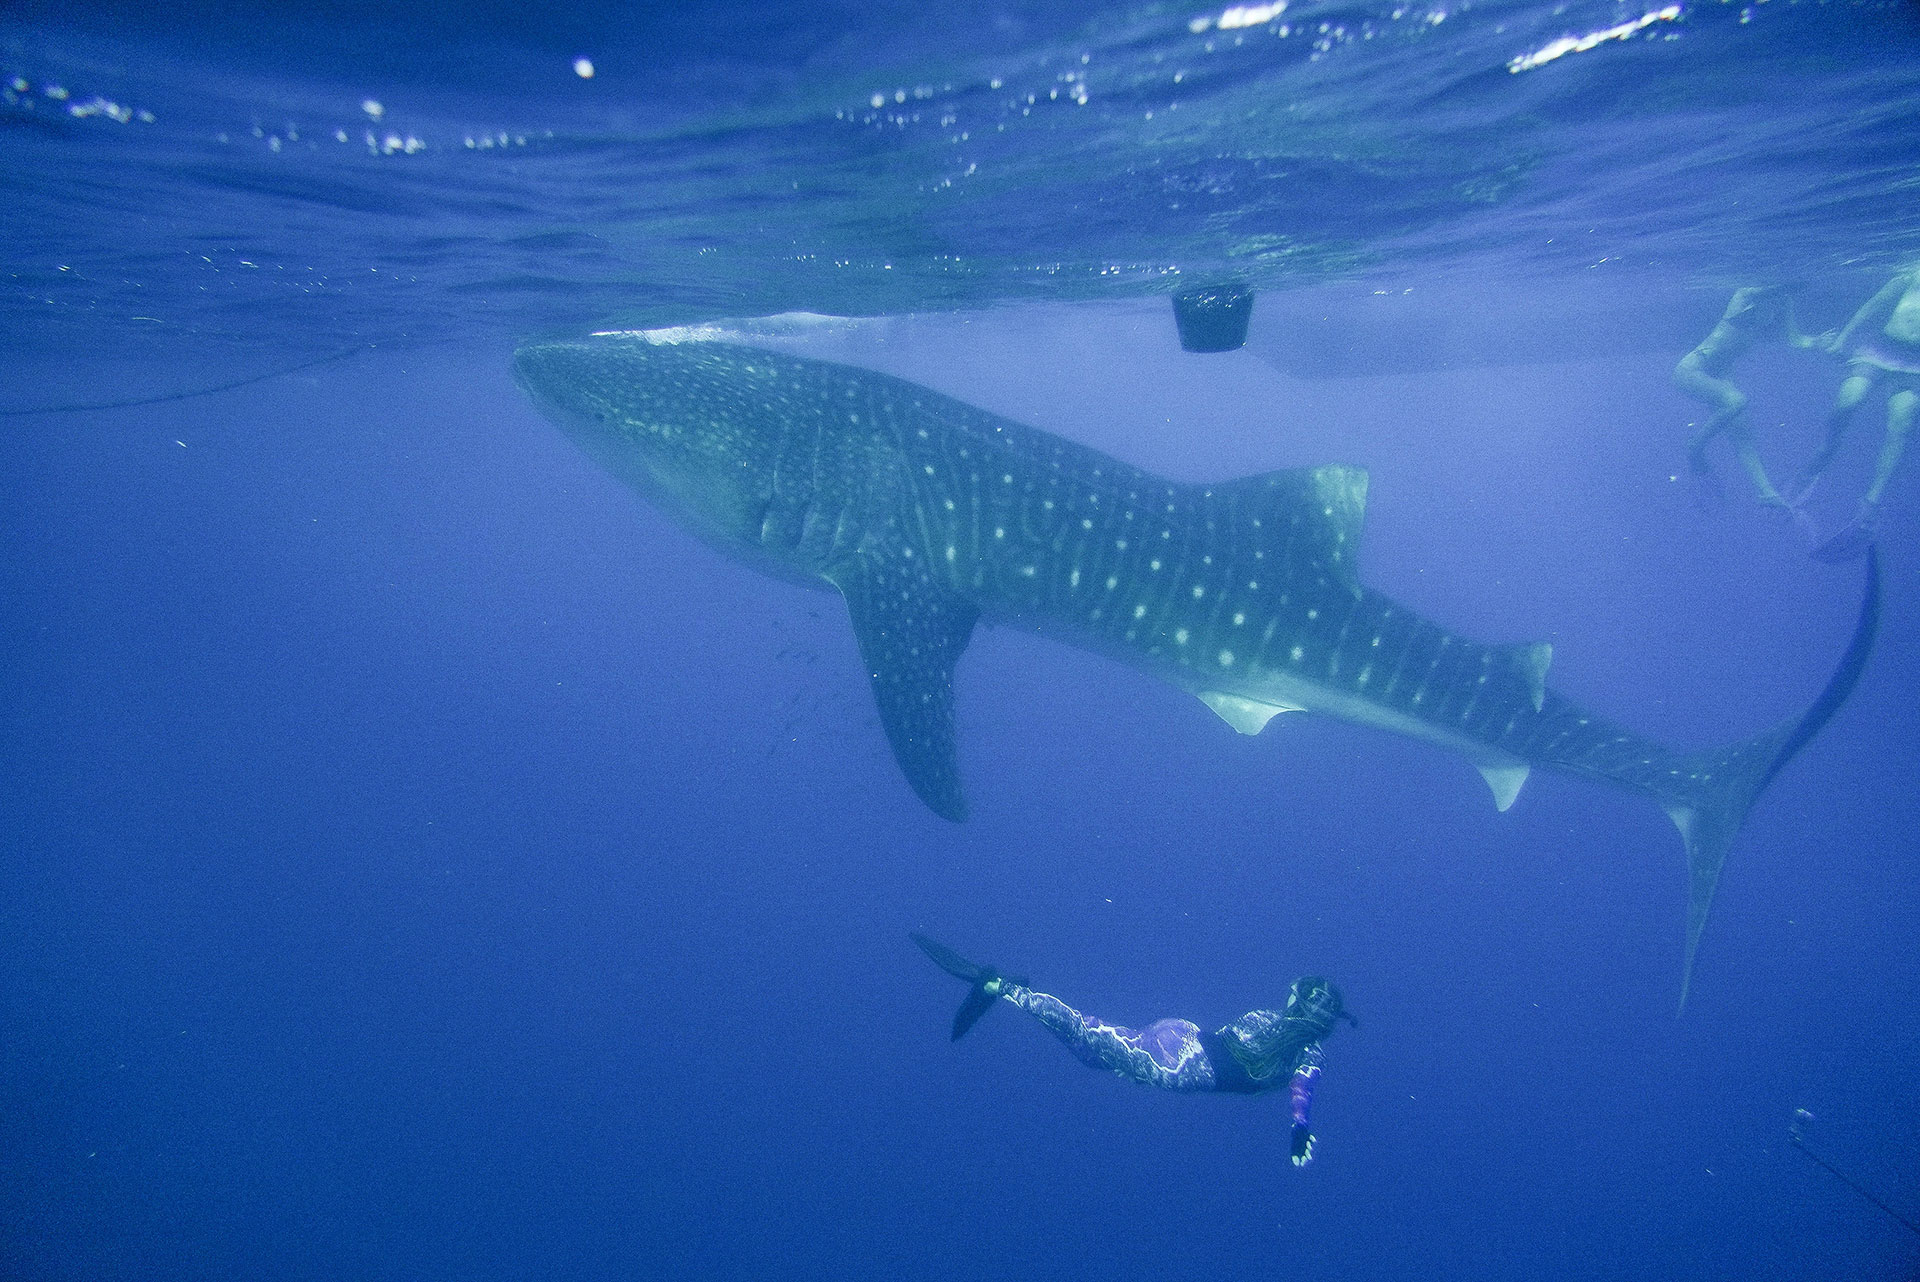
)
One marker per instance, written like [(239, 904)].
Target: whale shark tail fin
[(985, 984), (1712, 791)]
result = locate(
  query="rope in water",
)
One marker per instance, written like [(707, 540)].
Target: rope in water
[(1793, 1133), (91, 406)]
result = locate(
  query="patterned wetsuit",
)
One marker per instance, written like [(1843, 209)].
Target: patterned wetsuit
[(1174, 1053)]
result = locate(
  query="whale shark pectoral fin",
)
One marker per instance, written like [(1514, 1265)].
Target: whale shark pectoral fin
[(1532, 662), (1248, 716), (1505, 777), (911, 630)]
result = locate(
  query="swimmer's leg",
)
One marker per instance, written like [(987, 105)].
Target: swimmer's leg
[(1742, 437), (1728, 404), (1166, 1053), (1902, 408), (1839, 418), (1770, 498), (1858, 534)]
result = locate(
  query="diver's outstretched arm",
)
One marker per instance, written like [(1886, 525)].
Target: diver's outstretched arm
[(1300, 1092)]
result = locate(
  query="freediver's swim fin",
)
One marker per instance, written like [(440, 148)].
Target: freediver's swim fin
[(980, 999), (1850, 543), (986, 982), (948, 960)]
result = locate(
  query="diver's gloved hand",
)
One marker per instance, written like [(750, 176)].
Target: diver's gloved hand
[(1302, 1144)]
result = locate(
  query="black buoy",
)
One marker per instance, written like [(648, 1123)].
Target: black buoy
[(1213, 319)]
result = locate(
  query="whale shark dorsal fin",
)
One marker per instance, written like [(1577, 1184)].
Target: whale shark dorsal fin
[(1248, 716), (1532, 662), (1307, 517), (911, 630), (1506, 778)]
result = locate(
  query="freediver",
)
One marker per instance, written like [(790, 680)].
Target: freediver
[(1889, 357), (1754, 314), (1255, 1053)]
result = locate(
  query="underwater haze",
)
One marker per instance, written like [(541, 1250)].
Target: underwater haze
[(423, 857)]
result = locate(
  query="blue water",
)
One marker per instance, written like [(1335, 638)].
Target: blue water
[(423, 859)]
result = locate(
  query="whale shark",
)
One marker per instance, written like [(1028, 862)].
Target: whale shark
[(927, 514)]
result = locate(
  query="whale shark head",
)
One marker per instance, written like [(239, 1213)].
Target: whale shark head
[(686, 423)]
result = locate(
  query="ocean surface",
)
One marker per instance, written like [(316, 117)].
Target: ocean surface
[(420, 858)]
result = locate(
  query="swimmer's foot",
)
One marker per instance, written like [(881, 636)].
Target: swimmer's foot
[(1778, 505), (1853, 540)]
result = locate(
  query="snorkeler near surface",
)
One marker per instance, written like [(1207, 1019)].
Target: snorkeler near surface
[(1889, 357), (1754, 314), (1255, 1053)]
